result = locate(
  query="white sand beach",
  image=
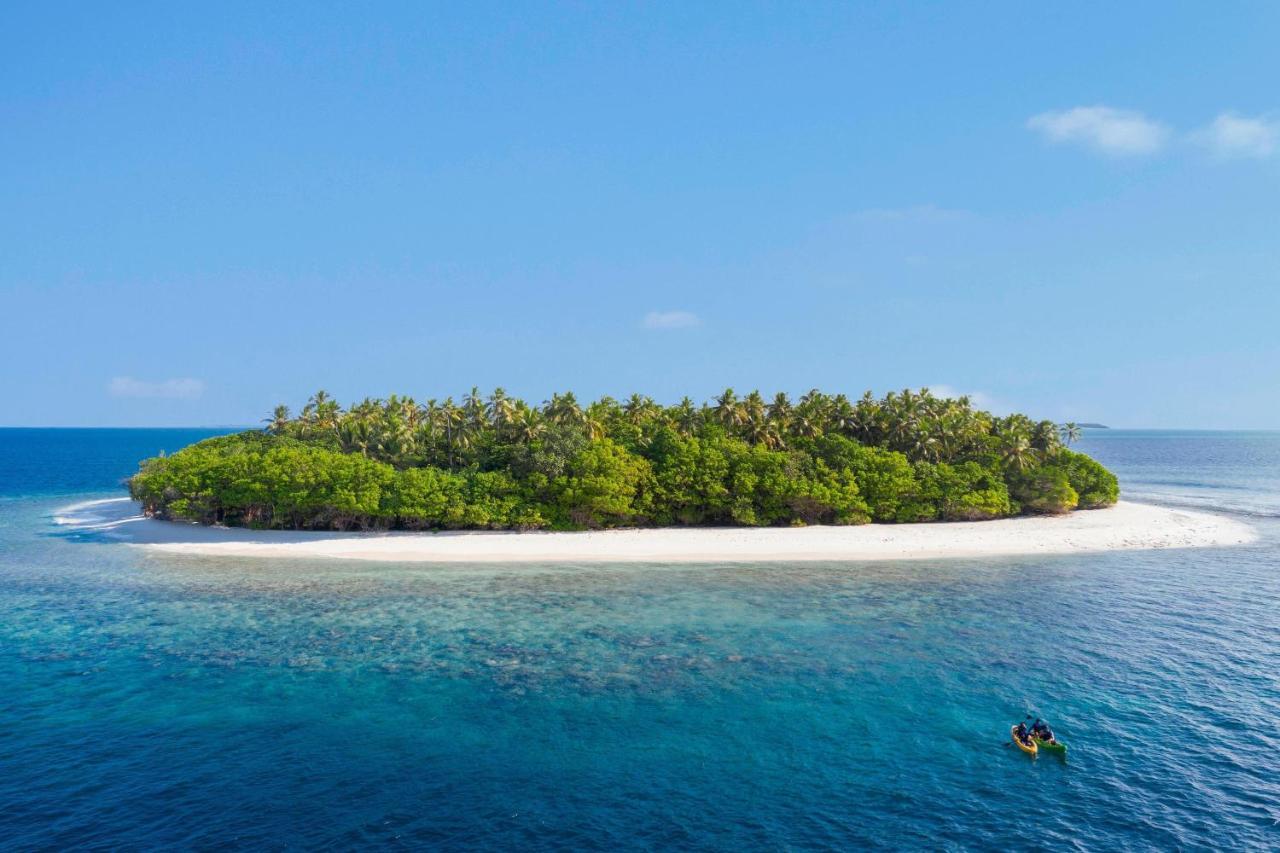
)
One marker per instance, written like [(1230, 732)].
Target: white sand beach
[(1126, 526)]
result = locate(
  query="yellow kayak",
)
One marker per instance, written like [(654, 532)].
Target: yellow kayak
[(1028, 746)]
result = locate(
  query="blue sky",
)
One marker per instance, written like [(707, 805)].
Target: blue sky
[(208, 210)]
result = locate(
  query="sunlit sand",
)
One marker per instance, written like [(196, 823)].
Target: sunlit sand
[(1126, 526)]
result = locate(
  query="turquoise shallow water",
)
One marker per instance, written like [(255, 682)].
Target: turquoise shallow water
[(161, 700)]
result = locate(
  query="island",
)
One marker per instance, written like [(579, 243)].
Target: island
[(497, 463)]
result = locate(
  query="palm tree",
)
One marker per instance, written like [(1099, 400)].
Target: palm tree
[(475, 409), (502, 408), (279, 420), (866, 419), (757, 430), (774, 437), (451, 419), (464, 437), (1070, 432), (1045, 438), (563, 409), (1016, 451), (638, 408), (354, 435), (806, 424), (843, 417), (780, 410), (686, 416), (527, 426), (812, 414), (754, 409), (728, 410), (926, 447), (410, 412), (761, 430), (321, 399), (396, 439), (595, 427), (815, 398), (428, 432)]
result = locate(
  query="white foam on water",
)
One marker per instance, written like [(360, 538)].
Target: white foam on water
[(98, 515)]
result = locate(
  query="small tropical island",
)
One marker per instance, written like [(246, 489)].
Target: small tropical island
[(497, 463)]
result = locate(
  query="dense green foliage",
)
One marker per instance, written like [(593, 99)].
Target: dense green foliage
[(498, 463)]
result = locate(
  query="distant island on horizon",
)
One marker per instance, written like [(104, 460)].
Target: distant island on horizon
[(497, 463)]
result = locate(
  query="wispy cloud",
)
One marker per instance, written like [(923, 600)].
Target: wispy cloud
[(979, 399), (1104, 129), (1234, 135), (670, 320), (170, 389)]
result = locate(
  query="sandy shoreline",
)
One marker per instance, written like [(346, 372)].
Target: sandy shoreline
[(1127, 526)]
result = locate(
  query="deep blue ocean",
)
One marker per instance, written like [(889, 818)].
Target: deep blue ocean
[(151, 701)]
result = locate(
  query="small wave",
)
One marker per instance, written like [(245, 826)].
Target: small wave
[(1197, 484), (1207, 504), (101, 514)]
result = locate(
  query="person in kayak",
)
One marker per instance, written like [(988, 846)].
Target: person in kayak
[(1041, 730), (1020, 732)]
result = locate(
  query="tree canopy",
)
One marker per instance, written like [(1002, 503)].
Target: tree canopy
[(496, 462)]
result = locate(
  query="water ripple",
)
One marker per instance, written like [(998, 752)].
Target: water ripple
[(196, 702)]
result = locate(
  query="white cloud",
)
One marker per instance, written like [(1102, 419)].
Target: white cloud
[(978, 399), (1233, 135), (1105, 129), (170, 389), (670, 320)]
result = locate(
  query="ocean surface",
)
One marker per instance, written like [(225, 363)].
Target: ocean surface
[(152, 701)]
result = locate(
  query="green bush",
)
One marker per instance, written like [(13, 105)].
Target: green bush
[(885, 479), (826, 496), (691, 478), (969, 492), (428, 498), (603, 486), (501, 464), (1096, 486), (1045, 490)]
